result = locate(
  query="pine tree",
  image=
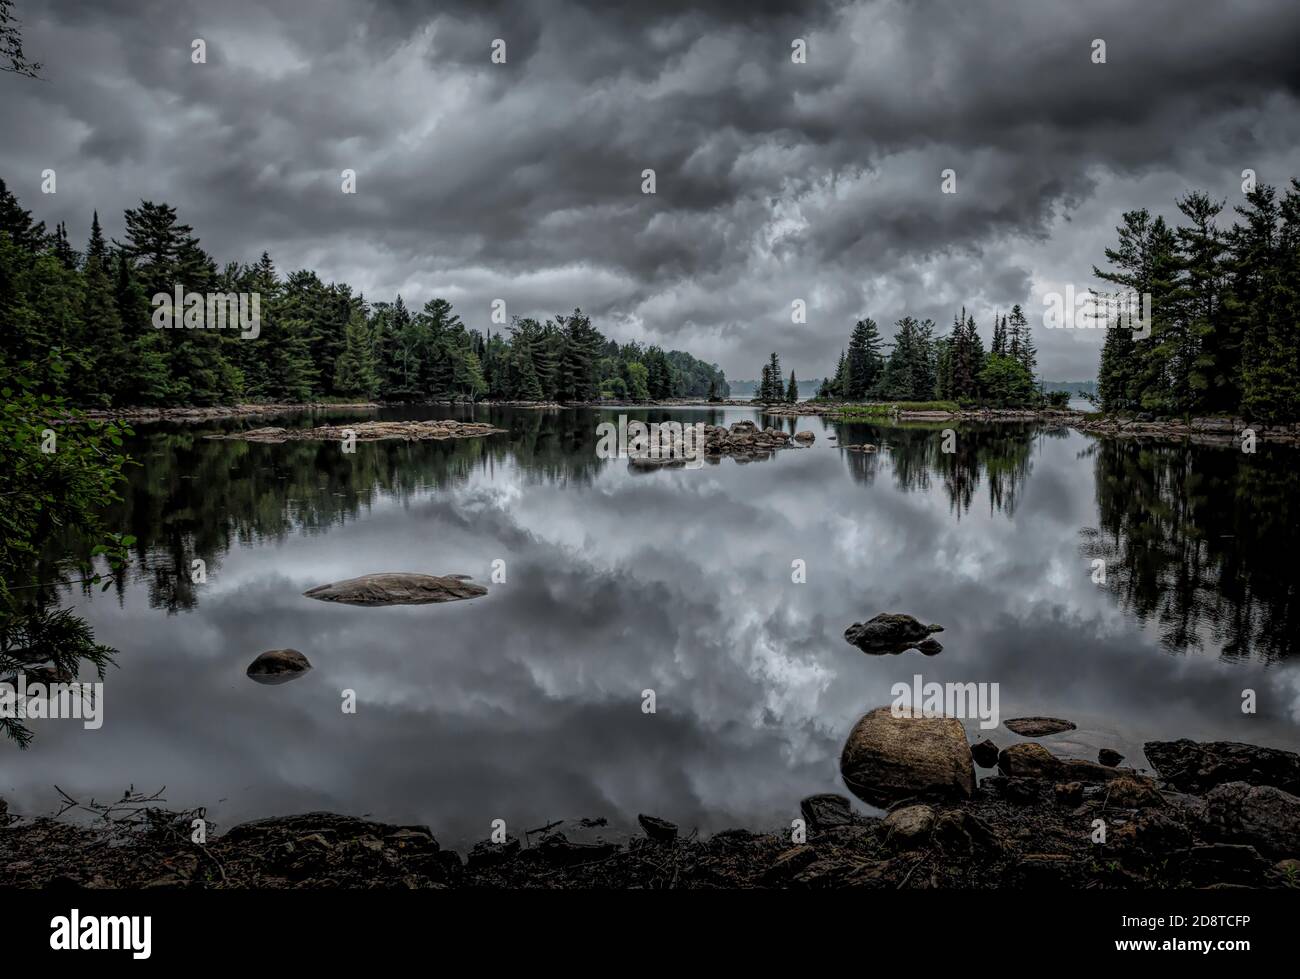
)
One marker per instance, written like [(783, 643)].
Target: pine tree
[(28, 235), (1267, 258), (1120, 378), (109, 381), (792, 391), (354, 371), (527, 386), (999, 347), (864, 364), (1025, 351), (578, 358)]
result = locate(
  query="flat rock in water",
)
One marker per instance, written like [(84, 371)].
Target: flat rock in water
[(398, 589), (887, 759), (371, 431), (1038, 727), (1198, 766), (278, 666)]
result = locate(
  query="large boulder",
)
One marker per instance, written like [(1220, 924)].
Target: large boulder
[(888, 758), (398, 589), (278, 666), (1198, 766), (892, 632), (1261, 815)]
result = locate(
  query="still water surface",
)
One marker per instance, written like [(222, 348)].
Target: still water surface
[(526, 704)]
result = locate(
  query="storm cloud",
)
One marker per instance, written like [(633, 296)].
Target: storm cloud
[(776, 180)]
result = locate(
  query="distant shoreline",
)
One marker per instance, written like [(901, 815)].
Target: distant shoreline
[(1208, 431)]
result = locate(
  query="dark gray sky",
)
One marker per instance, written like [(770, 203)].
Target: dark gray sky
[(776, 181)]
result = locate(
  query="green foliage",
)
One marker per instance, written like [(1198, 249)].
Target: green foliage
[(1225, 311), (1005, 382), (770, 386), (909, 372), (316, 340), (863, 364), (886, 408), (354, 372), (59, 471)]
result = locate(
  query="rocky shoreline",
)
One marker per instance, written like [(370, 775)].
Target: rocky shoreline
[(408, 431), (1203, 431), (1214, 814)]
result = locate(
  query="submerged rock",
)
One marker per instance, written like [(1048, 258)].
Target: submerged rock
[(1109, 757), (1038, 727), (1198, 766), (398, 589), (891, 632), (805, 436), (887, 759), (278, 666)]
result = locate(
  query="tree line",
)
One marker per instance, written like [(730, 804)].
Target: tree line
[(316, 340), (922, 367), (954, 367), (1225, 304)]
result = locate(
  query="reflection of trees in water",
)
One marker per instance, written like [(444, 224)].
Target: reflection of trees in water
[(1203, 541), (998, 454), (189, 497)]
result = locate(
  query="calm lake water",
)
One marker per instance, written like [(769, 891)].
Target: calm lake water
[(526, 704)]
